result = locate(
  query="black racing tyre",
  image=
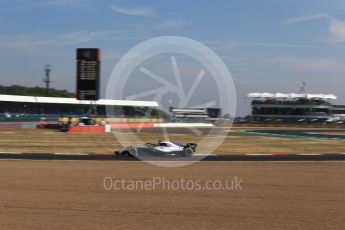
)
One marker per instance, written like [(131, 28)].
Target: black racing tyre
[(187, 152), (125, 153)]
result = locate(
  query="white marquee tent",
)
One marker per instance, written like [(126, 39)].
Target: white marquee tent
[(292, 96)]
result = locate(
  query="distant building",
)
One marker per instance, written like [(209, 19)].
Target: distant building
[(338, 112), (196, 114), (295, 108)]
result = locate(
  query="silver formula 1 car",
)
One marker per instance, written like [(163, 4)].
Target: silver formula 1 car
[(163, 148)]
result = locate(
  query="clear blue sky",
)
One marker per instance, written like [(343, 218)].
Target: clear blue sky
[(269, 46)]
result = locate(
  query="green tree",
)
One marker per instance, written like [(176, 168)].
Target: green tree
[(33, 91)]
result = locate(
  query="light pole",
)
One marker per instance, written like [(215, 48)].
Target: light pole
[(47, 80)]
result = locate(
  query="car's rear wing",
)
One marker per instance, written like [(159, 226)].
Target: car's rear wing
[(191, 145)]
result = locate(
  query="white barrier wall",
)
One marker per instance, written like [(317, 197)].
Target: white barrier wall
[(181, 125)]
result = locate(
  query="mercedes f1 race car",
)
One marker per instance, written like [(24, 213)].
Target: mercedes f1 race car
[(163, 148)]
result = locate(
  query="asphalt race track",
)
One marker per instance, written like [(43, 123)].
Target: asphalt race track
[(239, 157)]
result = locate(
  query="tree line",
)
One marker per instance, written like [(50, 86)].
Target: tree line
[(34, 91)]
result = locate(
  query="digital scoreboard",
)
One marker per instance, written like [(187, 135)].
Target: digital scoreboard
[(88, 73)]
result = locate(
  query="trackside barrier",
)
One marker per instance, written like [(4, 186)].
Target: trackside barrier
[(131, 126), (181, 125), (159, 125)]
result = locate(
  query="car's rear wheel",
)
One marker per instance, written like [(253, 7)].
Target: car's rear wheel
[(187, 152)]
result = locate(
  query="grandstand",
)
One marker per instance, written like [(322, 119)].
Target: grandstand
[(29, 108), (293, 108)]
